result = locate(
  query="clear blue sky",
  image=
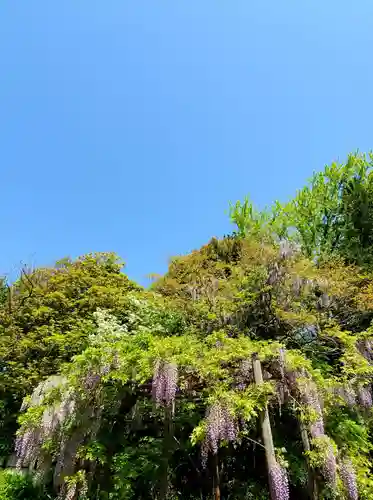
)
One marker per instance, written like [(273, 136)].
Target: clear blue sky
[(128, 125)]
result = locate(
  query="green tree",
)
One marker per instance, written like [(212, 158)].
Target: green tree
[(46, 318), (16, 486), (245, 372), (332, 214)]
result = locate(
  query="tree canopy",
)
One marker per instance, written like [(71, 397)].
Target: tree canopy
[(245, 372)]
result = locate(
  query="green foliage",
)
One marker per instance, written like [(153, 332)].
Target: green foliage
[(292, 287), (135, 469), (17, 486), (3, 290), (46, 318), (247, 218), (332, 214)]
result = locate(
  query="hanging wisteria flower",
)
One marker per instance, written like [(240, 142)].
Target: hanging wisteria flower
[(287, 249), (68, 493), (311, 398), (274, 274), (364, 395), (278, 482), (348, 476), (297, 285), (329, 468), (30, 440), (365, 348), (346, 393), (221, 426), (27, 447), (244, 375), (71, 492), (164, 385), (291, 378), (91, 381)]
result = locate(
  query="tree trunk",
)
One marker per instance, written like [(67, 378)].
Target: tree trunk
[(312, 484), (216, 478), (167, 445), (265, 423)]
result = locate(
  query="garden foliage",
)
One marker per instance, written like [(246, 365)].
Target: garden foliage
[(245, 372)]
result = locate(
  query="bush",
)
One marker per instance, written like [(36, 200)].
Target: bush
[(17, 486)]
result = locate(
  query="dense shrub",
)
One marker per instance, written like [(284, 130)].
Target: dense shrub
[(18, 486)]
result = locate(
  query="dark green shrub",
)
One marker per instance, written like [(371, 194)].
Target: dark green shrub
[(17, 486)]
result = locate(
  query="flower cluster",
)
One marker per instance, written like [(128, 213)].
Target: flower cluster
[(221, 426), (164, 384), (244, 375), (364, 395), (27, 447), (348, 477), (346, 393), (287, 249), (311, 398), (29, 442), (298, 284), (365, 347), (278, 482), (279, 369), (69, 492), (329, 468), (91, 381)]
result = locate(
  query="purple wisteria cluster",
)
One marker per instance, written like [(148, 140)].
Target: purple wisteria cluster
[(91, 381), (348, 477), (27, 447), (94, 376), (67, 456), (364, 395), (287, 249), (274, 275), (279, 368), (244, 375), (352, 396), (311, 398), (329, 467), (164, 385), (71, 492), (28, 443), (298, 284), (365, 347), (346, 393), (221, 426), (278, 482)]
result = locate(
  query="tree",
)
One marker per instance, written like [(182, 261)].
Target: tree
[(246, 371), (46, 318), (332, 214), (164, 399)]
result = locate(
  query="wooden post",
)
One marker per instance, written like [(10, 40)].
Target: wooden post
[(312, 485), (167, 447), (216, 478), (265, 423)]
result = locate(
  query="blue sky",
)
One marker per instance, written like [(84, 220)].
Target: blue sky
[(128, 126)]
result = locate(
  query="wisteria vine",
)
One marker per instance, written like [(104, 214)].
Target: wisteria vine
[(220, 426), (164, 385)]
